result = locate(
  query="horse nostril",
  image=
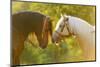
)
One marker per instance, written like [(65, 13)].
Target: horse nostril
[(56, 41)]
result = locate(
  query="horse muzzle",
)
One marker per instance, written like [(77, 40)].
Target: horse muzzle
[(43, 46), (55, 38)]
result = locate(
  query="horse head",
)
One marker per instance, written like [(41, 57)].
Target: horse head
[(61, 29), (47, 29)]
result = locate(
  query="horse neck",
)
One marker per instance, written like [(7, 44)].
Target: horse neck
[(85, 37), (79, 27)]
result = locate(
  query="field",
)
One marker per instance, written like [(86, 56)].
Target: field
[(67, 51)]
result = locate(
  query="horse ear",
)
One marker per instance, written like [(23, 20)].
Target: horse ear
[(62, 15), (66, 17)]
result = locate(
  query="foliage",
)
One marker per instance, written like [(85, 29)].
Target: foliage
[(67, 51)]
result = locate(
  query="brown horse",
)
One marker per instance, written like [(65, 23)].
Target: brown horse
[(24, 23)]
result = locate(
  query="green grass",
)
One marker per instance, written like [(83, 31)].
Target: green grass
[(68, 51)]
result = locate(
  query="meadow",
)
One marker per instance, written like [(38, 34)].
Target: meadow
[(67, 51)]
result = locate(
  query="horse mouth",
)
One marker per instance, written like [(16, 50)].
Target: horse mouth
[(43, 46), (55, 41)]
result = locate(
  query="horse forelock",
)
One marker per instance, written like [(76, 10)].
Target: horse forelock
[(63, 18)]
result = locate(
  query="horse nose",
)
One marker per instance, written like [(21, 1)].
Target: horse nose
[(54, 37)]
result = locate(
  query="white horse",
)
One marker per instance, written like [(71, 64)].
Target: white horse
[(84, 33)]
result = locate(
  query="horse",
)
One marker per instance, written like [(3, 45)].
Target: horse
[(81, 30), (24, 23)]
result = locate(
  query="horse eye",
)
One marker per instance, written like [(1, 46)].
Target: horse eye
[(61, 25), (66, 19)]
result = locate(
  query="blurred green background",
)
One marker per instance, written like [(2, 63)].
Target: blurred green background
[(68, 51)]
